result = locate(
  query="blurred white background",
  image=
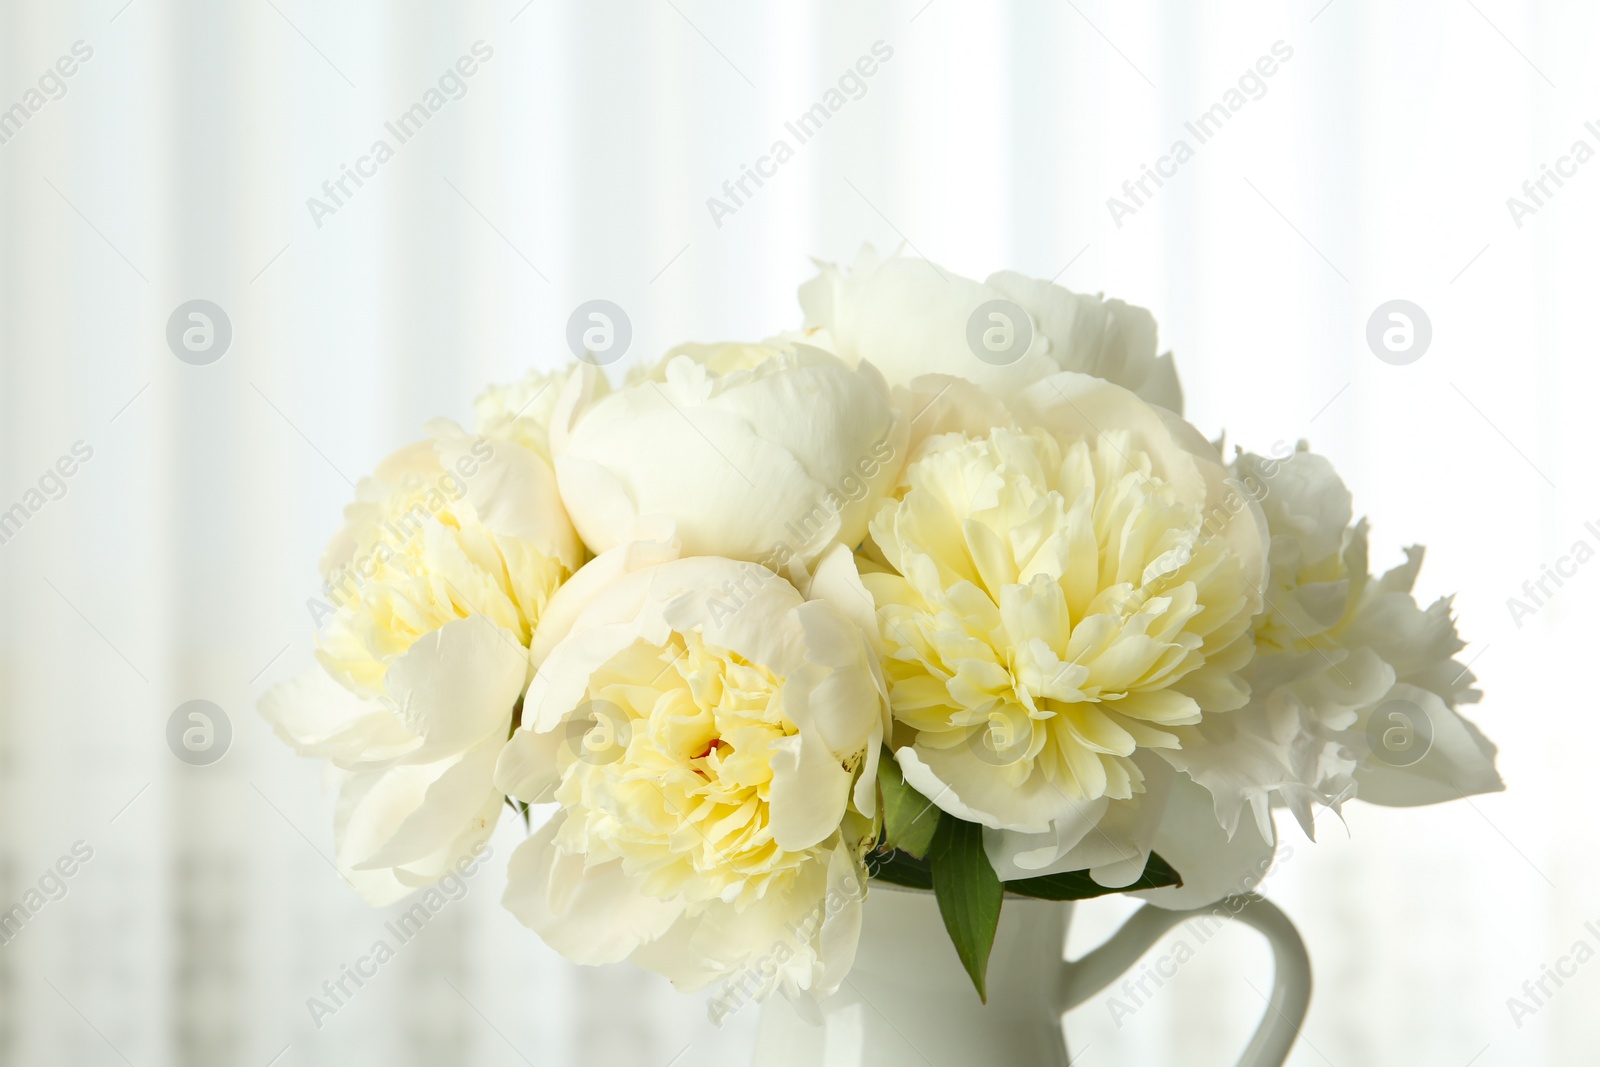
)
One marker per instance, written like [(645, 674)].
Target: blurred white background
[(175, 164)]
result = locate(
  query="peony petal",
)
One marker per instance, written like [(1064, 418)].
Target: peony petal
[(974, 791), (1089, 334), (512, 489), (318, 717), (837, 581), (372, 808), (809, 791), (1459, 763), (1161, 387), (1211, 865), (457, 685), (527, 769), (655, 544), (1110, 839), (590, 915), (449, 804), (841, 926)]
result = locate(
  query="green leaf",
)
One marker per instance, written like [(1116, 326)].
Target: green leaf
[(1077, 885), (909, 818), (900, 868), (969, 894), (520, 808)]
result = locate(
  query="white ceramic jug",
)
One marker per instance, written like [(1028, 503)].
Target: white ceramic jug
[(908, 1003)]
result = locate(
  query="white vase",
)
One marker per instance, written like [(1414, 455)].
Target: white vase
[(909, 1003)]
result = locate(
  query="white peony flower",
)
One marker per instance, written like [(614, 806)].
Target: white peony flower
[(1354, 685), (753, 452), (1056, 598), (711, 739), (909, 318), (446, 560)]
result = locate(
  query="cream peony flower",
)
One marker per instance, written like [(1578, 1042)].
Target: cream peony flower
[(910, 318), (446, 561), (711, 739), (1355, 686), (1056, 598), (753, 452)]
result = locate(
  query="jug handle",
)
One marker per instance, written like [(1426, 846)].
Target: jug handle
[(1291, 969)]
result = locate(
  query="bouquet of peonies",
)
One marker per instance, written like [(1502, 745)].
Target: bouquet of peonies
[(940, 590)]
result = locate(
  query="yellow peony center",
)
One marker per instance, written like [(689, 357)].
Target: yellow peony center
[(669, 767), (1057, 606), (419, 563)]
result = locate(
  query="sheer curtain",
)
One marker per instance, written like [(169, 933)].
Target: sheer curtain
[(202, 152)]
